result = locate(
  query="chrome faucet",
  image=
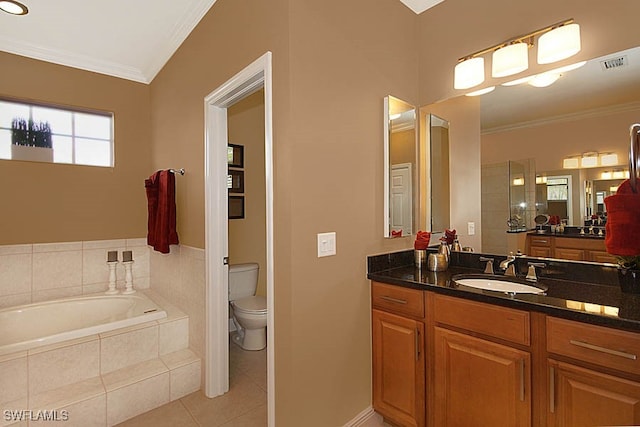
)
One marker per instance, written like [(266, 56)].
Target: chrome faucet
[(508, 265), (531, 274), (488, 269)]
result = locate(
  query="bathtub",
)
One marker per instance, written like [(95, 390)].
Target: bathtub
[(33, 325)]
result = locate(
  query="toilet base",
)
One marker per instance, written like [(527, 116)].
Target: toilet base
[(253, 340)]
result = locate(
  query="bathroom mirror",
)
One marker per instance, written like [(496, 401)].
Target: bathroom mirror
[(588, 109), (400, 154), (439, 174)]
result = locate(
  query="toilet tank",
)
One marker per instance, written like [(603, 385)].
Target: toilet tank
[(243, 280)]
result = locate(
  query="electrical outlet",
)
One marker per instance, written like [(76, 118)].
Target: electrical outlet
[(471, 228), (326, 244)]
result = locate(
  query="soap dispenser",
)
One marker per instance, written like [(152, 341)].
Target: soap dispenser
[(444, 249), (456, 245)]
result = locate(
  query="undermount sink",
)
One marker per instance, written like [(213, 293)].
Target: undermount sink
[(492, 283)]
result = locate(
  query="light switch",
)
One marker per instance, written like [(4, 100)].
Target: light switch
[(471, 228), (326, 244)]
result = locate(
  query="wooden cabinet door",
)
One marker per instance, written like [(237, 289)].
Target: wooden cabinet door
[(580, 397), (568, 253), (540, 251), (480, 383), (601, 256), (398, 369)]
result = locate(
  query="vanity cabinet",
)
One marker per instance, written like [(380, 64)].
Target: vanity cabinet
[(398, 354), (571, 248), (596, 383), (478, 378)]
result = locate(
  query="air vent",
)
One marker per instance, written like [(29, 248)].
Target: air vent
[(617, 62)]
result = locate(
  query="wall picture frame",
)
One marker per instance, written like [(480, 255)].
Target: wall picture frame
[(235, 181), (235, 155), (236, 207)]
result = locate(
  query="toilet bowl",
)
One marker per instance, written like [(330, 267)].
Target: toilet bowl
[(249, 311)]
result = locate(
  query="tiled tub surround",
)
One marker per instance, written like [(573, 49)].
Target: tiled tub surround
[(34, 325), (106, 378), (45, 271)]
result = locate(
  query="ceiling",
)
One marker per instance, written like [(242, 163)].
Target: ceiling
[(122, 38)]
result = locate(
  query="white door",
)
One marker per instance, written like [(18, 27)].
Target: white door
[(401, 199)]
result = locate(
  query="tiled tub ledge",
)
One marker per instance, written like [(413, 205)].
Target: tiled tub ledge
[(104, 379)]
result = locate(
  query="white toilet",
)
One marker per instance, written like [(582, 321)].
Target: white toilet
[(249, 311)]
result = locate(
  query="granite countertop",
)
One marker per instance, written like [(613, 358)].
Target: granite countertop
[(568, 295), (569, 235)]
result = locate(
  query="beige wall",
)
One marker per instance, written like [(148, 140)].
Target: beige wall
[(247, 236), (45, 202), (332, 71), (549, 143)]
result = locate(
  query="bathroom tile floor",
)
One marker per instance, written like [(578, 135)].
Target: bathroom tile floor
[(245, 405)]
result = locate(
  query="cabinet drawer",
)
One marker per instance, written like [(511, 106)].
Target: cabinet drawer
[(397, 299), (487, 319), (607, 347), (540, 241), (572, 254)]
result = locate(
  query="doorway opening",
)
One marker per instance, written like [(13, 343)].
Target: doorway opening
[(255, 76)]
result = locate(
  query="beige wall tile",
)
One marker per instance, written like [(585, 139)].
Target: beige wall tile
[(63, 366), (174, 336), (104, 244), (14, 300), (94, 265), (122, 350), (13, 384), (57, 247), (15, 249), (185, 380), (15, 274), (56, 269), (87, 413), (127, 402), (51, 294)]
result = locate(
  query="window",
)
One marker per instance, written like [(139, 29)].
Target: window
[(50, 134), (557, 188)]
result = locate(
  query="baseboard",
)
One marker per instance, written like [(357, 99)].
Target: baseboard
[(362, 418)]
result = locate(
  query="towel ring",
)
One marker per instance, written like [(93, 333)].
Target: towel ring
[(634, 156), (176, 171)]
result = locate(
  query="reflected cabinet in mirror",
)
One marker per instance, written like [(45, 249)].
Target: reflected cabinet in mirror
[(401, 169), (556, 153)]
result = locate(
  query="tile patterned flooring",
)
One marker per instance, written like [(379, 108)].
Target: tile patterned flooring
[(245, 405)]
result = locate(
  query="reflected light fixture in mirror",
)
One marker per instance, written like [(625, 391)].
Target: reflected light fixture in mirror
[(481, 91), (13, 7), (544, 79)]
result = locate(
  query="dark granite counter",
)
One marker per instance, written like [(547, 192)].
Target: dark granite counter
[(585, 292)]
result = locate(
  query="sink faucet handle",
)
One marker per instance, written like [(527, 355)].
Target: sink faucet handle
[(488, 269), (531, 273)]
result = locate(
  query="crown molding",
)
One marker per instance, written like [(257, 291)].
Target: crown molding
[(596, 112)]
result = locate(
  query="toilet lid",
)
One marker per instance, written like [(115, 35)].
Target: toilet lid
[(253, 304)]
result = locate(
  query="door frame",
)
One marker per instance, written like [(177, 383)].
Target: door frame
[(256, 76)]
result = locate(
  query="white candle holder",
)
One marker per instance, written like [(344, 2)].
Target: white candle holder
[(128, 278), (112, 278)]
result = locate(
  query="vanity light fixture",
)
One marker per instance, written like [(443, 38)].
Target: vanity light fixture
[(395, 116), (541, 179), (571, 163), (481, 91), (606, 175), (609, 159), (560, 43), (469, 73), (510, 59), (613, 189), (589, 160), (561, 40), (13, 7), (620, 174)]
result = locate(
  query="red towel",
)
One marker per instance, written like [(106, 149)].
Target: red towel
[(161, 199), (623, 222), (422, 240)]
